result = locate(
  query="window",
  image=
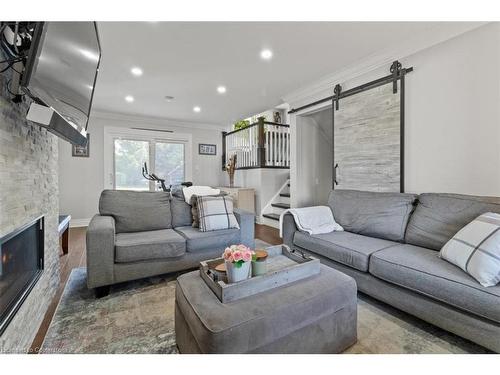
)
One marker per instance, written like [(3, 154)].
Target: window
[(130, 156), (126, 151), (169, 162)]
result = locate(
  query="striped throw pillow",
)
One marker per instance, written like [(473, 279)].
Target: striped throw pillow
[(216, 213), (476, 249)]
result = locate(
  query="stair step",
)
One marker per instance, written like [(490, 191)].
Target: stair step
[(272, 216), (281, 205), (285, 195)]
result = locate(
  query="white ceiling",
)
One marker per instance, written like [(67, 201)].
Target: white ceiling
[(188, 60)]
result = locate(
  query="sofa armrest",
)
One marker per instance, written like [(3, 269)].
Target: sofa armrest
[(289, 229), (100, 251), (246, 220)]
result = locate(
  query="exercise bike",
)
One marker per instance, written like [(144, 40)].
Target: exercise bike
[(153, 177)]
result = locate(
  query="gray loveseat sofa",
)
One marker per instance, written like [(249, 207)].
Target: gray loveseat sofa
[(390, 247), (141, 234)]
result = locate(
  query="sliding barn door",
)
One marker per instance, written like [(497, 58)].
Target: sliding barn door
[(367, 153)]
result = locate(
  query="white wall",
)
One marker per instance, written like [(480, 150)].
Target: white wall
[(452, 114), (312, 181), (266, 183), (81, 179)]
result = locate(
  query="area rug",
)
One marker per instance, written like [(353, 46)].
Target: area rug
[(138, 317)]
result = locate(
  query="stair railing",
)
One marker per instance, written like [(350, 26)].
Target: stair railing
[(263, 144)]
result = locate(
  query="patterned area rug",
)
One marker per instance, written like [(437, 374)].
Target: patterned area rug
[(138, 317)]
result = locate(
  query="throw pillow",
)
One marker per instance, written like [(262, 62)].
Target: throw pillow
[(216, 213), (176, 191), (476, 249), (193, 201), (181, 212)]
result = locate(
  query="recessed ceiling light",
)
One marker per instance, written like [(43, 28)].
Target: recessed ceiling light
[(221, 89), (136, 71), (129, 98), (266, 54), (197, 109)]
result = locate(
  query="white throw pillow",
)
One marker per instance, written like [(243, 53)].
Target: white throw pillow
[(216, 213), (476, 249)]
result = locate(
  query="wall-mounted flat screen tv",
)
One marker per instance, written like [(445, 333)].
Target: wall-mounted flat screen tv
[(61, 72)]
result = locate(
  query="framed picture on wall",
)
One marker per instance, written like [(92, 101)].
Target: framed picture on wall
[(206, 149), (81, 151)]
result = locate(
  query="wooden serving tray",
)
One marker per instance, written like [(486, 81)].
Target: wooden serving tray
[(283, 267)]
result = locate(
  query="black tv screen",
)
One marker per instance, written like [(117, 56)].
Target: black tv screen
[(62, 67)]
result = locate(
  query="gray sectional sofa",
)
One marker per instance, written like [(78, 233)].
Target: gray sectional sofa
[(390, 247), (141, 234)]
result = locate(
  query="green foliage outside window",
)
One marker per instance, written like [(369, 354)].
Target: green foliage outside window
[(130, 156)]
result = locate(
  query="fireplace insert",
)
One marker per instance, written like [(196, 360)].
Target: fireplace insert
[(21, 264)]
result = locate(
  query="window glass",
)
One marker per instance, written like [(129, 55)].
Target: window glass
[(130, 156)]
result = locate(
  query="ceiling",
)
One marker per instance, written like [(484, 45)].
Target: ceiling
[(188, 60)]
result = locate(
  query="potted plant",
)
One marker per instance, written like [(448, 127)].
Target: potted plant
[(238, 259), (259, 263)]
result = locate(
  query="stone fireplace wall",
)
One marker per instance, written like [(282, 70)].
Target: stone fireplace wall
[(28, 188)]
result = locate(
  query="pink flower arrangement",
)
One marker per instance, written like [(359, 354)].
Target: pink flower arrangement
[(237, 254)]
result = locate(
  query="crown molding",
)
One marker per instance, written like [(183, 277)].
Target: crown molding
[(376, 61), (157, 121)]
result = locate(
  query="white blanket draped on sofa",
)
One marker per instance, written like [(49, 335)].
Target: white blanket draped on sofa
[(312, 220), (198, 190)]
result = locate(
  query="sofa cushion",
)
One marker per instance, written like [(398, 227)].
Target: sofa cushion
[(438, 217), (136, 211), (199, 241), (176, 191), (422, 271), (181, 212), (156, 244), (351, 249), (382, 215)]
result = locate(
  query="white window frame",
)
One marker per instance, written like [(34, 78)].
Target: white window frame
[(111, 133)]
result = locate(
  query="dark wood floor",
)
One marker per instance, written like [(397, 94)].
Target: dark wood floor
[(76, 258), (268, 234)]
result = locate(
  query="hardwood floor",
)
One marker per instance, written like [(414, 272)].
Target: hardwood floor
[(76, 258), (268, 234)]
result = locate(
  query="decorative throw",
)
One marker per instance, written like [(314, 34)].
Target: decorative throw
[(216, 213), (476, 249), (312, 220), (198, 190)]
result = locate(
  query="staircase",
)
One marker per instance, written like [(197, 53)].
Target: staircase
[(280, 202)]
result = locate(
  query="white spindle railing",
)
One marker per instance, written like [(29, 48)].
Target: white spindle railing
[(277, 145), (244, 144)]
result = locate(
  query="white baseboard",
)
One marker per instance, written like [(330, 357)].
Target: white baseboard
[(76, 223)]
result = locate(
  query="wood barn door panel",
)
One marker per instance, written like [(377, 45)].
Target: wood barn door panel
[(367, 141)]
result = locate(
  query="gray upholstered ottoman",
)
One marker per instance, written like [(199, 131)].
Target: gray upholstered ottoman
[(315, 315)]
